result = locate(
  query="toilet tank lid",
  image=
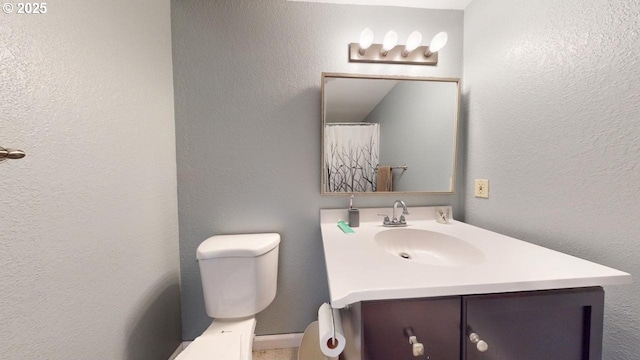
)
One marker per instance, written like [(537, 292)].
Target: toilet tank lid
[(242, 245)]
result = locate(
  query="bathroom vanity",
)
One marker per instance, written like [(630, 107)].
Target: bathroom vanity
[(462, 291)]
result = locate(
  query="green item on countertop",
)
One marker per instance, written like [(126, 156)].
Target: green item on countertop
[(345, 228)]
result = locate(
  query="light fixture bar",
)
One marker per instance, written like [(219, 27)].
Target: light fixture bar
[(393, 56)]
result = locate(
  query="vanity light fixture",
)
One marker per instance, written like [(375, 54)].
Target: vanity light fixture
[(390, 52), (413, 41), (366, 39), (437, 43), (389, 42)]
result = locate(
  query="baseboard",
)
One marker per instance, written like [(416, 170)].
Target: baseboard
[(261, 342), (280, 341)]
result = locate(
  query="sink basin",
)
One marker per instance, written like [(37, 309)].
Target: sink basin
[(428, 247)]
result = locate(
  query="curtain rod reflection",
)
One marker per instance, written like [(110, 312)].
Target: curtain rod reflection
[(350, 123), (403, 167)]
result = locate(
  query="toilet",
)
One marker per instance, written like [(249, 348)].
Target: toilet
[(239, 277)]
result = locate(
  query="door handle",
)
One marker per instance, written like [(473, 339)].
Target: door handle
[(11, 154)]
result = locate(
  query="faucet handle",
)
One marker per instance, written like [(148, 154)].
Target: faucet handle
[(386, 220)]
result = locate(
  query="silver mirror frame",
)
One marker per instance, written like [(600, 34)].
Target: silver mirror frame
[(389, 77)]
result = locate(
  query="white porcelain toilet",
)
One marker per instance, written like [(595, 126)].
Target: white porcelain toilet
[(239, 277)]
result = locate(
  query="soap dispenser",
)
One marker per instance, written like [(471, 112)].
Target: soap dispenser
[(354, 214)]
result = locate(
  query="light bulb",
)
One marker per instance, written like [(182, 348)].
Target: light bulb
[(413, 41), (390, 40), (366, 39), (437, 43)]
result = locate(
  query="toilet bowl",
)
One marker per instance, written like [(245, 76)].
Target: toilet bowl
[(239, 279)]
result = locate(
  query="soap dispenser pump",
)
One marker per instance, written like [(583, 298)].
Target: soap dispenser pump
[(354, 214)]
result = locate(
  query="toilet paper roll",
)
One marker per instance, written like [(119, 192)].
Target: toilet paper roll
[(332, 340)]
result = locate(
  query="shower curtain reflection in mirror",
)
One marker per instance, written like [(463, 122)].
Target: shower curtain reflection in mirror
[(351, 155)]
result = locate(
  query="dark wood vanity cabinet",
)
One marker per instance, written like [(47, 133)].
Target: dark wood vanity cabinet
[(550, 325)]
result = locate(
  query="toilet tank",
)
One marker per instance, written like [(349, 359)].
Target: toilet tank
[(239, 273)]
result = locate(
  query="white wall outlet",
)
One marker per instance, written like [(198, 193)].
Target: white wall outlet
[(481, 188)]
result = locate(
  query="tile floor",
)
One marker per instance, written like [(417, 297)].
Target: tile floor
[(276, 354)]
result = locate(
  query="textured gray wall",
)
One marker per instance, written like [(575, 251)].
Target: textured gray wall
[(247, 95), (553, 95), (89, 224), (417, 129)]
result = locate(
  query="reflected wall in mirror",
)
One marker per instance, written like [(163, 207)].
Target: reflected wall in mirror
[(386, 134)]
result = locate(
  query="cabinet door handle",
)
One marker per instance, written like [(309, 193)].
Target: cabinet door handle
[(481, 345), (6, 153)]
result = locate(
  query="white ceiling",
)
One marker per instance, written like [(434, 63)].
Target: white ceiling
[(353, 99), (425, 4)]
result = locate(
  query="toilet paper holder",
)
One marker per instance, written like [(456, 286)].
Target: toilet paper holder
[(416, 347)]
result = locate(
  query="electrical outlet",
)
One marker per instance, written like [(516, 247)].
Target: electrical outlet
[(482, 188)]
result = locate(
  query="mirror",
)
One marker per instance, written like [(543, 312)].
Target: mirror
[(383, 134)]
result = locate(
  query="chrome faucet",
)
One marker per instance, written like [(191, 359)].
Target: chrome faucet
[(404, 211), (394, 220)]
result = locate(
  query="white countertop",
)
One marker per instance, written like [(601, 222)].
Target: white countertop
[(358, 269)]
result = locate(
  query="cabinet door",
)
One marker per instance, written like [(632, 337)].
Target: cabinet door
[(435, 322), (549, 325)]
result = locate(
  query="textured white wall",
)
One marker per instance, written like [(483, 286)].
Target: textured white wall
[(88, 230), (553, 102), (247, 91)]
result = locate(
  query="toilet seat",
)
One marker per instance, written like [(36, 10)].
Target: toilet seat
[(224, 339)]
